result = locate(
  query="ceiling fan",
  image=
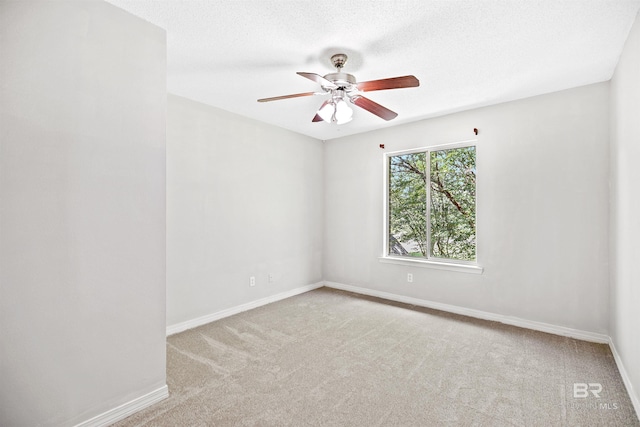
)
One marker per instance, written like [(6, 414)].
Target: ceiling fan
[(342, 87)]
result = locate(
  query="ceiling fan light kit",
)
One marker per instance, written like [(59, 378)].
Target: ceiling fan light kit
[(344, 89), (336, 110)]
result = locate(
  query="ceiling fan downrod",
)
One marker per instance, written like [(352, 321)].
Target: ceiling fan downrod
[(343, 81)]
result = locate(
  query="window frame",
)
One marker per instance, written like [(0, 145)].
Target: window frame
[(429, 261)]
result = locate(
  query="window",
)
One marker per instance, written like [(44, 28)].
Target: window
[(434, 218)]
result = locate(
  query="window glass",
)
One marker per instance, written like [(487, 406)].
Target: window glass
[(436, 220), (407, 205), (453, 203)]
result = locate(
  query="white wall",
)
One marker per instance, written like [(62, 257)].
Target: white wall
[(82, 219), (625, 208), (243, 199), (542, 210)]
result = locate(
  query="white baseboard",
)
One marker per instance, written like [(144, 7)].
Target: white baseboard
[(508, 320), (203, 320), (625, 378), (123, 411)]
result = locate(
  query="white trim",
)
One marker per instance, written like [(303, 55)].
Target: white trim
[(508, 320), (437, 147), (625, 378), (123, 411), (427, 263), (203, 320)]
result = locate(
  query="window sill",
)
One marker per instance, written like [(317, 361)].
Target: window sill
[(438, 265)]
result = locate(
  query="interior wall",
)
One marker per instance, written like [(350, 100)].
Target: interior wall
[(542, 215), (243, 199), (625, 208), (82, 220)]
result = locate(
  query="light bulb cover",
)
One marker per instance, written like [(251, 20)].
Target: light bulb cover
[(343, 113), (326, 111)]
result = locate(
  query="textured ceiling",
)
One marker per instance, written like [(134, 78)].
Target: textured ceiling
[(466, 53)]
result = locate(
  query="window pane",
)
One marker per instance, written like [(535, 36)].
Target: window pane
[(453, 203), (407, 205)]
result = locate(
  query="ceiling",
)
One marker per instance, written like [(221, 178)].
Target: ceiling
[(466, 53)]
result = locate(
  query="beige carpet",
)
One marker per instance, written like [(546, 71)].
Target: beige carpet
[(331, 358)]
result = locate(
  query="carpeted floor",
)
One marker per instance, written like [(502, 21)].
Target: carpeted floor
[(332, 358)]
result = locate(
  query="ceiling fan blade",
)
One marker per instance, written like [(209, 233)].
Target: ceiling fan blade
[(391, 83), (318, 79), (374, 108), (295, 95)]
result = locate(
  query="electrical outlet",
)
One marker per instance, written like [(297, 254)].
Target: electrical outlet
[(409, 277), (271, 278), (252, 281)]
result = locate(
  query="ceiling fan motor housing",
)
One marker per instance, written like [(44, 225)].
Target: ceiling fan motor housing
[(342, 80)]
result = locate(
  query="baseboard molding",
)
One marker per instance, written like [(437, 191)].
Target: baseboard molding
[(203, 320), (123, 411), (625, 378), (508, 320)]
